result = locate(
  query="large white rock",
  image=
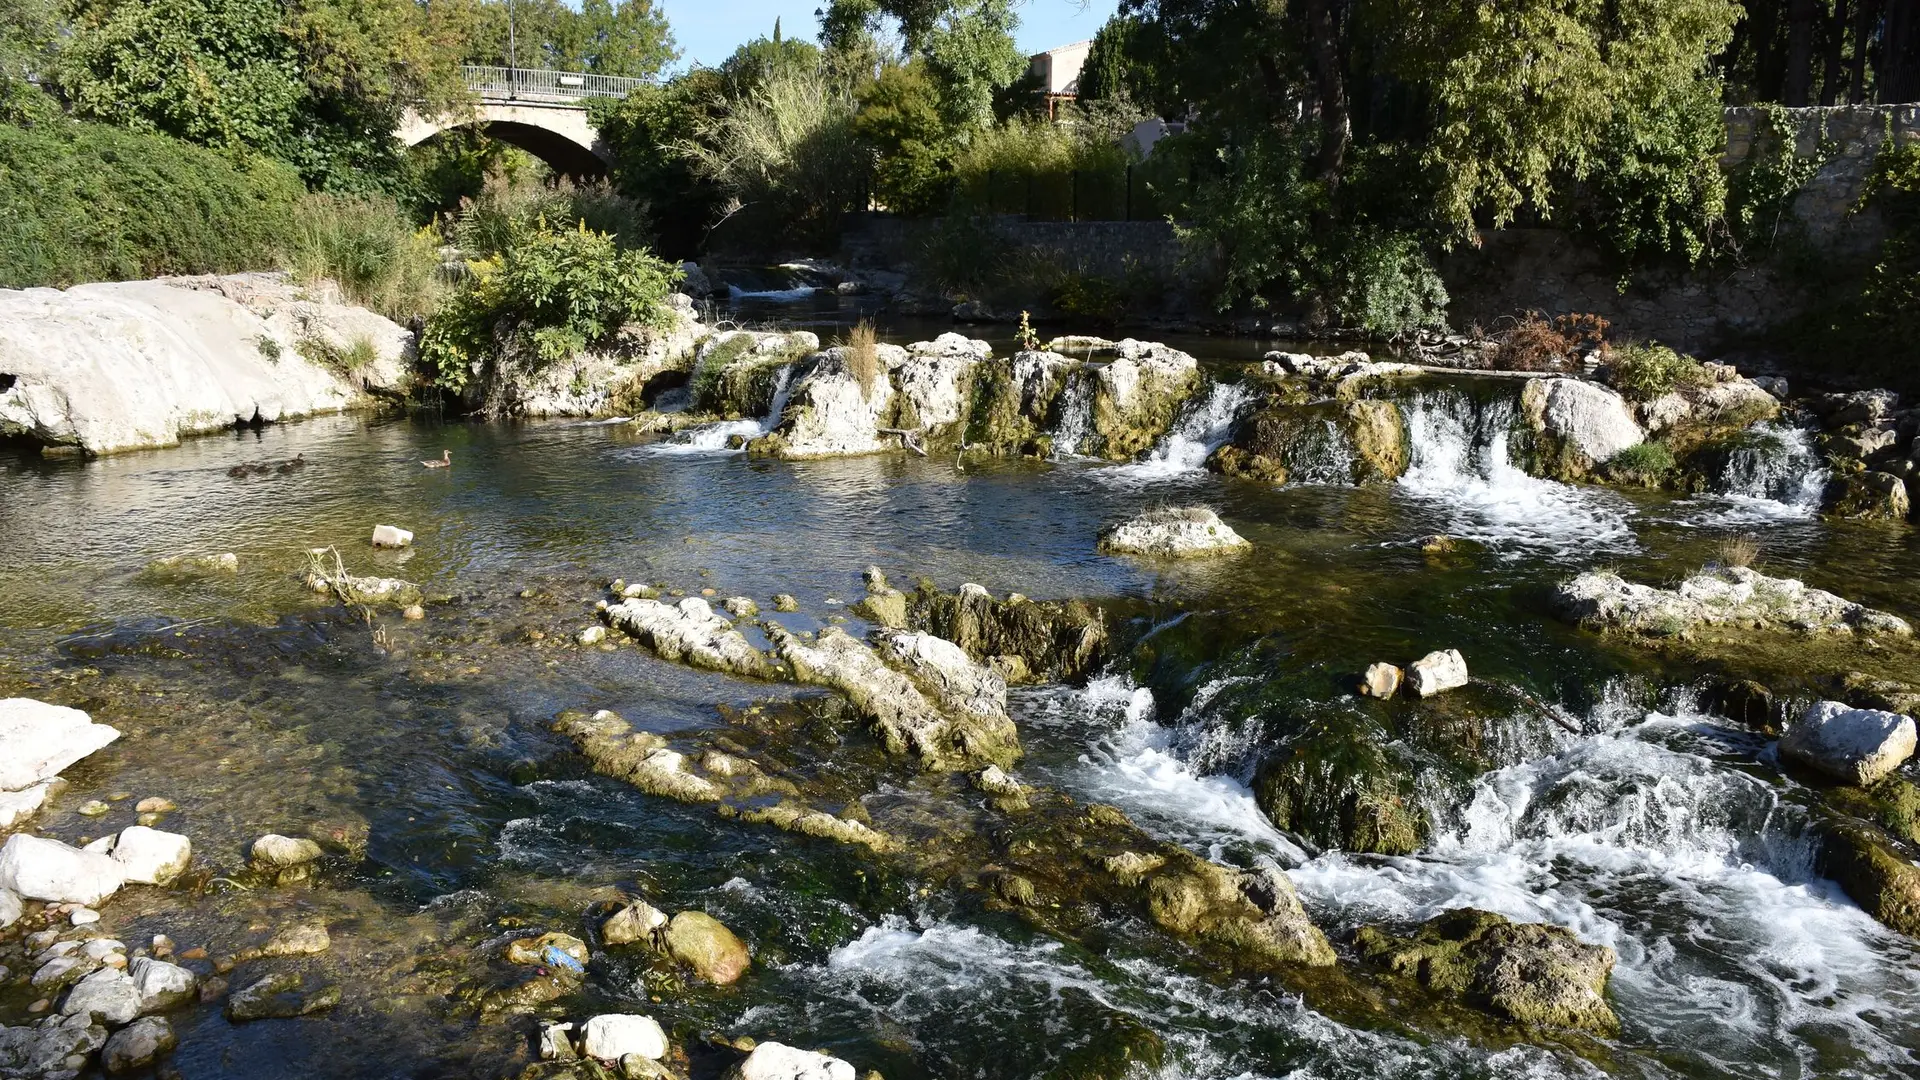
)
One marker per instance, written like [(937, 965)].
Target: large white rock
[(832, 412), (1437, 671), (17, 806), (129, 364), (41, 869), (37, 740), (613, 1036), (10, 908), (690, 632), (1592, 420), (107, 995), (152, 857), (778, 1061), (1858, 746), (1729, 596)]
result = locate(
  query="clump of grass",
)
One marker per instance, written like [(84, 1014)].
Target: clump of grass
[(1741, 550), (1645, 465), (1645, 372), (863, 355)]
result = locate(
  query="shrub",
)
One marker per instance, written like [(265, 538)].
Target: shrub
[(1741, 550), (549, 295), (786, 154), (85, 202), (1041, 169), (1645, 372)]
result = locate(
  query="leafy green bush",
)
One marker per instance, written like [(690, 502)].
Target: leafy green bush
[(787, 157), (508, 208), (548, 295), (1645, 372), (86, 202)]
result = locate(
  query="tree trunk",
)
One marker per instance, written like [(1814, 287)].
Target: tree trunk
[(1766, 50), (1336, 120), (1897, 74), (1864, 20), (1800, 19), (1832, 71)]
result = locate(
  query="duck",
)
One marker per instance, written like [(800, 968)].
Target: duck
[(446, 459), (299, 462), (239, 472)]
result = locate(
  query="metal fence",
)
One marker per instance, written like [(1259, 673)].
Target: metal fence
[(536, 85)]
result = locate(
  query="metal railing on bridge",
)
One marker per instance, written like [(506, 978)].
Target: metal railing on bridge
[(545, 87)]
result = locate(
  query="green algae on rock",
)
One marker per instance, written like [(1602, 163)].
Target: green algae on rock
[(1530, 973)]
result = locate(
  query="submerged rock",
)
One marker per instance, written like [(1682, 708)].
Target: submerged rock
[(1174, 532), (1873, 870), (1056, 641), (38, 740), (777, 1061), (1857, 746), (689, 631), (1731, 596), (699, 941), (285, 860), (280, 996), (1530, 973), (353, 589)]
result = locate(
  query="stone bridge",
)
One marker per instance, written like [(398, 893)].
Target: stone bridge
[(541, 112)]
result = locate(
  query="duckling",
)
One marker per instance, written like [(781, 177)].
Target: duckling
[(446, 459), (239, 472), (299, 462)]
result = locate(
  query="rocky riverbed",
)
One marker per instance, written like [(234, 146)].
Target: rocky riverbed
[(840, 714)]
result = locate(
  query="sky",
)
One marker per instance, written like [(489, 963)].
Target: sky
[(709, 30)]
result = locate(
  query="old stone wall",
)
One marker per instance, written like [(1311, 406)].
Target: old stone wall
[(1111, 249)]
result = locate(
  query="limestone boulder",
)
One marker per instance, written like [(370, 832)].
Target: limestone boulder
[(41, 869), (1719, 596), (714, 952), (688, 631), (777, 1061), (1437, 672), (1857, 746), (1173, 533), (1586, 423), (1530, 973), (108, 996), (836, 408), (612, 1036), (137, 1045), (38, 740), (160, 985), (152, 857), (112, 366)]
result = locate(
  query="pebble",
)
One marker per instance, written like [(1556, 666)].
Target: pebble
[(84, 917), (162, 946), (94, 808), (195, 953), (413, 613), (154, 804), (120, 796), (40, 1006), (709, 592)]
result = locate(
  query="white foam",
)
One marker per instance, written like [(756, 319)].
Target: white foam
[(777, 296), (1204, 424), (1460, 468), (717, 438)]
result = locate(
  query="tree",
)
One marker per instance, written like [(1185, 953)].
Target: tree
[(646, 131), (628, 38), (28, 31), (899, 118), (970, 55)]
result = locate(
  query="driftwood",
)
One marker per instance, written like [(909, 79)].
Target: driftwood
[(908, 439)]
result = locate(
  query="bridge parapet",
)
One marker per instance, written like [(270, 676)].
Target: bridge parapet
[(537, 86)]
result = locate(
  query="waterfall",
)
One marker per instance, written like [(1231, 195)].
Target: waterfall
[(1322, 455), (1778, 464), (716, 438), (1075, 409), (1460, 465), (1203, 425)]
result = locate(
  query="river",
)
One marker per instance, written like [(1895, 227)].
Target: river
[(257, 706)]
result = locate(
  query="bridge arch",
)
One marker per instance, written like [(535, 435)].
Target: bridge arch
[(560, 136)]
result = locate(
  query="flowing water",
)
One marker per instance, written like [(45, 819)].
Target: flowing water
[(258, 707), (731, 436)]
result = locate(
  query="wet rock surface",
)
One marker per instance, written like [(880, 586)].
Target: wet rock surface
[(1173, 533), (1528, 973), (1734, 596)]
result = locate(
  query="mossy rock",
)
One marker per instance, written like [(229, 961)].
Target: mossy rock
[(1530, 973), (1233, 461), (1873, 869), (1868, 496), (1058, 641), (1335, 782), (1118, 1046), (1379, 435), (1893, 803)]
